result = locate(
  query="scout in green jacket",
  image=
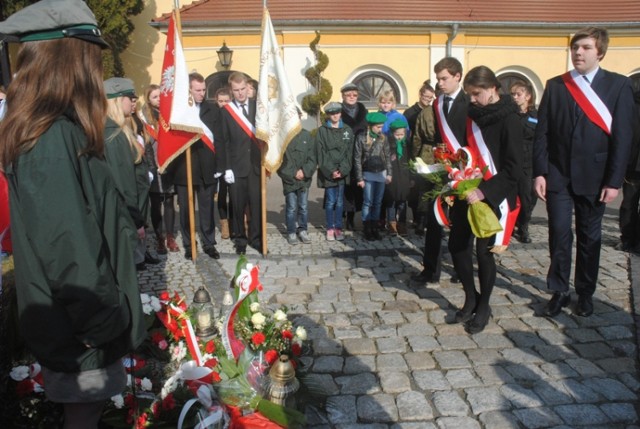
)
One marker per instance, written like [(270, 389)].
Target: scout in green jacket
[(298, 165), (78, 300), (334, 146)]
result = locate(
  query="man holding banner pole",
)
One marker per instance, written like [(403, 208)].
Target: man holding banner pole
[(580, 153)]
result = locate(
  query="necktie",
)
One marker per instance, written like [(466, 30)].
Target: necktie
[(447, 104), (587, 79), (244, 110)]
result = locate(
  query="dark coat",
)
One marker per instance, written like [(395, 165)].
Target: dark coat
[(334, 151), (457, 119), (398, 189), (300, 154), (203, 160), (368, 150), (529, 122), (570, 150), (412, 114), (359, 123), (237, 151), (633, 168), (73, 246)]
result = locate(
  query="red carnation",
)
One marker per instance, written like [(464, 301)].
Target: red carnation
[(156, 407), (271, 356), (287, 335), (168, 403), (164, 296), (296, 349), (258, 338), (211, 363), (24, 387), (210, 347), (214, 377), (142, 421)]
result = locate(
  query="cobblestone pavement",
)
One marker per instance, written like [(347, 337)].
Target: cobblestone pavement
[(383, 347)]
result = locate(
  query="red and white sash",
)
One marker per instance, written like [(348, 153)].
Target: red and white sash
[(443, 126), (242, 121), (481, 153), (588, 100)]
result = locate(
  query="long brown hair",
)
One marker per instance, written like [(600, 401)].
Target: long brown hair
[(147, 109), (53, 78)]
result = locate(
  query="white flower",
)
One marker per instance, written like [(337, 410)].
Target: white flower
[(301, 333), (19, 373), (254, 307), (145, 384), (145, 298), (258, 320), (129, 378), (146, 308), (118, 401), (155, 304), (170, 385), (280, 316), (179, 352)]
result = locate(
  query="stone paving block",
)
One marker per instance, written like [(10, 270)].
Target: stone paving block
[(403, 306), (584, 335), (342, 333), (414, 425), (631, 381), (538, 323), (325, 382), (368, 307), (419, 343), (493, 374), (323, 307), (361, 363), (390, 317), (361, 318), (391, 345), (359, 346), (449, 403), (513, 325), (430, 380), (525, 339), (610, 388), (438, 316), (617, 365), (463, 378), (343, 307), (620, 412), (451, 359), (358, 384), (520, 396), (326, 346), (581, 414), (394, 382), (521, 355), (381, 295), (292, 298), (419, 360), (552, 353), (581, 393), (626, 348), (325, 364), (584, 367), (339, 320), (391, 362), (422, 327), (481, 356), (377, 408), (616, 332), (558, 370), (534, 418), (378, 331), (486, 340), (342, 409), (499, 419), (456, 342), (552, 392), (457, 423), (483, 399), (526, 372)]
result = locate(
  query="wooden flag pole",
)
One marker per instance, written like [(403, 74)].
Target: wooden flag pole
[(192, 216), (263, 202)]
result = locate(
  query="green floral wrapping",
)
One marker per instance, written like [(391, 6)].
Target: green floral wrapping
[(483, 221)]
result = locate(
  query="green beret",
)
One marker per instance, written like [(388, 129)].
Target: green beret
[(333, 107), (52, 19), (119, 87), (374, 118), (397, 124)]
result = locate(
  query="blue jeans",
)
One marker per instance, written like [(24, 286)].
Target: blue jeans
[(296, 209), (373, 193), (333, 206), (397, 211)]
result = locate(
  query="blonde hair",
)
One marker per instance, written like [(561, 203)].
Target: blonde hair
[(387, 95), (115, 112)]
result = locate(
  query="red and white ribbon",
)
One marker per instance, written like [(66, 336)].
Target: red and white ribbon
[(593, 107)]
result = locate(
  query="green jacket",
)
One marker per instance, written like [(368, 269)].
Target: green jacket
[(334, 148), (78, 298), (300, 154), (132, 180)]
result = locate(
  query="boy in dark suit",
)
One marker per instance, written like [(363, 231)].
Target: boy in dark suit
[(580, 153)]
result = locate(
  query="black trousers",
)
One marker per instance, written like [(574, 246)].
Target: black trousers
[(206, 224), (162, 207), (432, 255), (461, 241), (224, 207), (588, 224), (245, 191), (528, 200), (630, 212)]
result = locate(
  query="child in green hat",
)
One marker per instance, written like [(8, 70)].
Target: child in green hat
[(397, 192), (372, 160)]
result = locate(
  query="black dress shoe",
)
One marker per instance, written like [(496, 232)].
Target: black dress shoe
[(465, 316), (555, 304), (585, 306), (149, 259), (240, 250), (454, 278), (478, 323), (423, 278), (141, 266), (187, 254), (212, 252)]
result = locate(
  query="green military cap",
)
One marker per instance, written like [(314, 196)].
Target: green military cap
[(349, 87), (397, 124), (374, 118), (333, 107), (119, 87), (52, 19)]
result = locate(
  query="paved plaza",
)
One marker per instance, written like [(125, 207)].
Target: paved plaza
[(385, 350)]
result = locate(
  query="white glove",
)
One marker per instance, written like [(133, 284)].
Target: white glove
[(217, 175), (150, 177), (228, 177)]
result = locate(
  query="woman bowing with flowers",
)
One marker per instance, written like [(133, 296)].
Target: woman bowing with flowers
[(494, 141)]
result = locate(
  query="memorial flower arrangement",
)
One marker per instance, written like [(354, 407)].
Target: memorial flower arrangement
[(454, 175), (176, 379)]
